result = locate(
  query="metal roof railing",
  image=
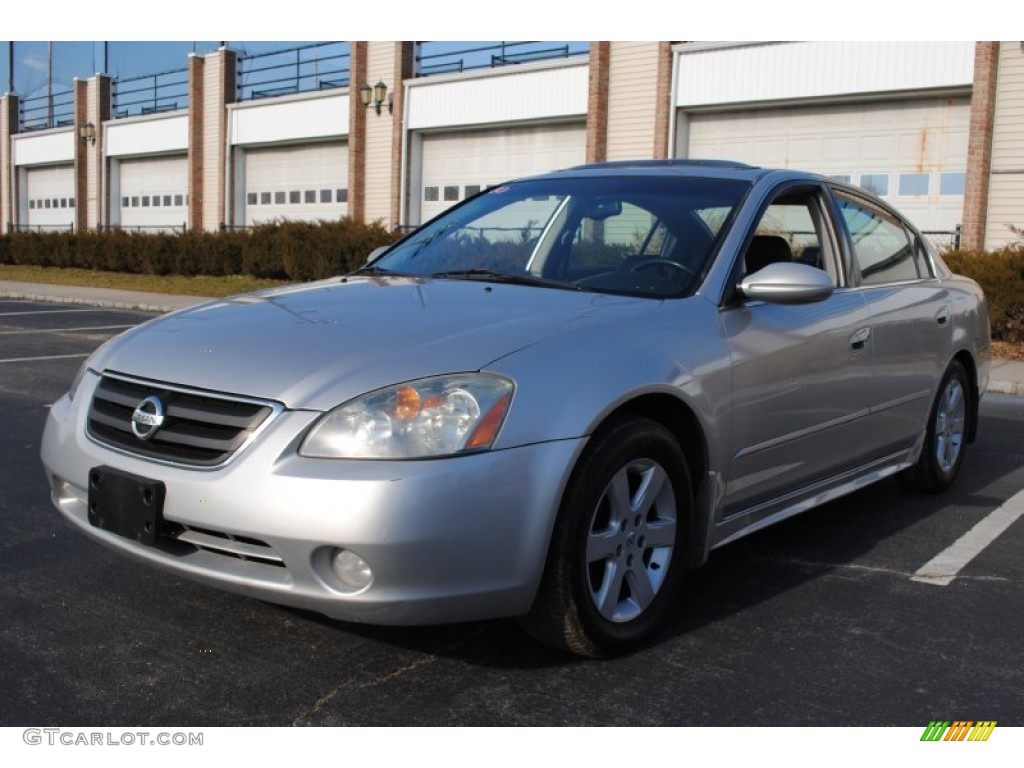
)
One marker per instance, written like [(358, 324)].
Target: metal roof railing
[(436, 57), (38, 113), (148, 94), (313, 67)]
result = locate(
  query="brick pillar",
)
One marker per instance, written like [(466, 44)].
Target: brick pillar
[(357, 132), (663, 99), (81, 112), (8, 191), (211, 83), (196, 65), (597, 102), (92, 105), (979, 144), (405, 53), (383, 60)]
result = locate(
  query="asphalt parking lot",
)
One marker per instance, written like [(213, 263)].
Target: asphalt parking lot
[(816, 621)]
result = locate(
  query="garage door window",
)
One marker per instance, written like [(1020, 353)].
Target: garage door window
[(875, 183), (952, 183)]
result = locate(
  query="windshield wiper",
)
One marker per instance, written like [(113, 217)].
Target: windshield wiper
[(493, 276), (370, 269)]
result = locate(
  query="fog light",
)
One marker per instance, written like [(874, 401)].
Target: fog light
[(351, 569)]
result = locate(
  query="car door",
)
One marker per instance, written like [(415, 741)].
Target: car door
[(799, 372), (911, 320)]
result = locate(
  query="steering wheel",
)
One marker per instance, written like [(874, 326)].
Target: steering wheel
[(657, 263)]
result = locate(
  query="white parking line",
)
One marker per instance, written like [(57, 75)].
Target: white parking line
[(67, 330), (49, 312), (945, 566), (48, 357)]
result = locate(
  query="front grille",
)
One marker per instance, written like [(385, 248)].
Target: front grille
[(200, 429)]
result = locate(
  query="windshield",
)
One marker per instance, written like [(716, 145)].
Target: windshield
[(646, 236)]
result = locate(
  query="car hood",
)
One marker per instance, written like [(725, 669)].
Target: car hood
[(317, 345)]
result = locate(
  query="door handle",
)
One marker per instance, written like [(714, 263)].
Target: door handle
[(859, 338), (943, 317)]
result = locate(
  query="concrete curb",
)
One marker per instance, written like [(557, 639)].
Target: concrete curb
[(1006, 388), (104, 303)]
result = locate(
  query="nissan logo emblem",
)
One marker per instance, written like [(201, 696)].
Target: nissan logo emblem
[(147, 418)]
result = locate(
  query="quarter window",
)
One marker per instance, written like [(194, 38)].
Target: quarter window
[(881, 248)]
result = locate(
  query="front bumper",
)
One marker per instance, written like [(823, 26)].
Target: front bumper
[(448, 540)]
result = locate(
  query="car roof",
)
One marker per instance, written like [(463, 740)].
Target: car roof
[(722, 169)]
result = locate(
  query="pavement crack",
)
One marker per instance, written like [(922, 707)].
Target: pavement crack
[(306, 716)]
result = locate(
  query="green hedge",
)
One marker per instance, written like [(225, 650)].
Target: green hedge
[(1001, 276), (286, 250)]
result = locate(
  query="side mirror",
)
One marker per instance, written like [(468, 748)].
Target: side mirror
[(787, 283), (374, 254)]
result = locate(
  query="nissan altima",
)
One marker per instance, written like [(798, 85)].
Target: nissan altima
[(548, 402)]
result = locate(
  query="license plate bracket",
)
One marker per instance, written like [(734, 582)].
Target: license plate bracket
[(126, 504)]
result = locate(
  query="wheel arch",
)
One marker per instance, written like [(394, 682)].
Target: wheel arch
[(676, 416)]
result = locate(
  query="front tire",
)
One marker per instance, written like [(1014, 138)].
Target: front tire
[(616, 552), (946, 438)]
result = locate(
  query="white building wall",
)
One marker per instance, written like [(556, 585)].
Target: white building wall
[(290, 118), (514, 94), (148, 135), (56, 146), (711, 75)]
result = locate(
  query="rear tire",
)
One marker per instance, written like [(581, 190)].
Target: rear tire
[(616, 554), (946, 438)]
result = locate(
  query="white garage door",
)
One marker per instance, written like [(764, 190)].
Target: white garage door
[(51, 197), (153, 193), (297, 183), (457, 165), (913, 153)]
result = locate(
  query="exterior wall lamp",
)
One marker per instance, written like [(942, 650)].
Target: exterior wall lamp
[(87, 133), (376, 96)]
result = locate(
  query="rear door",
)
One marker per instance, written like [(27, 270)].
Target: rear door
[(911, 320)]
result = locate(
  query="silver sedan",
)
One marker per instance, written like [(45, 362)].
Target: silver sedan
[(547, 403)]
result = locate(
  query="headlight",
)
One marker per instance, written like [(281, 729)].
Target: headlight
[(439, 416)]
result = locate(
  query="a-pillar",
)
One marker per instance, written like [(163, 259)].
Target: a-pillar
[(211, 87), (8, 127)]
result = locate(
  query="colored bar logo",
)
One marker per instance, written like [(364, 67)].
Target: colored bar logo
[(959, 730)]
